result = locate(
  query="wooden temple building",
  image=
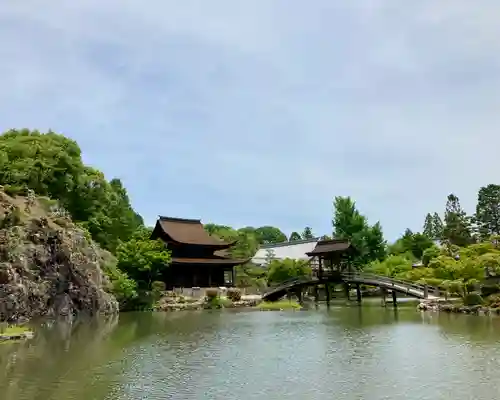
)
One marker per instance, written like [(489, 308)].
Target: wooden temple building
[(198, 259)]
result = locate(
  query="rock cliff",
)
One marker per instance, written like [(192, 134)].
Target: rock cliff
[(48, 266)]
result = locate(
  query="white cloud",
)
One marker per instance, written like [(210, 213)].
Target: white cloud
[(251, 113)]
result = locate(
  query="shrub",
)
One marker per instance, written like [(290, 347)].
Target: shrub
[(493, 301), (211, 293), (158, 286), (15, 190), (234, 294), (473, 299), (488, 290)]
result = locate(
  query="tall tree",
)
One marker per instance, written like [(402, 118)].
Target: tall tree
[(307, 233), (429, 226), (438, 226), (457, 225), (348, 223), (294, 236), (487, 217)]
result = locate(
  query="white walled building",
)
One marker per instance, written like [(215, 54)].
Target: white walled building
[(295, 250)]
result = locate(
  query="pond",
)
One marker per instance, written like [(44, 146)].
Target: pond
[(342, 353)]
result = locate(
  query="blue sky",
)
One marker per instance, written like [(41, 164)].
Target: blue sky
[(254, 113)]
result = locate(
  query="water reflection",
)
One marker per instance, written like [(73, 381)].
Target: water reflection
[(352, 352)]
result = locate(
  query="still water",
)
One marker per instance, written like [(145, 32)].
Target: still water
[(344, 353)]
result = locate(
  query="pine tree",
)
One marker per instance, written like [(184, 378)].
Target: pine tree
[(487, 217), (438, 226), (457, 225), (307, 233), (429, 226)]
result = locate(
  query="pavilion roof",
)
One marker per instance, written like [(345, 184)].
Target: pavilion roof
[(331, 246)]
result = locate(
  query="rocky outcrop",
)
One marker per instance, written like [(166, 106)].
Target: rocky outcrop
[(47, 265)]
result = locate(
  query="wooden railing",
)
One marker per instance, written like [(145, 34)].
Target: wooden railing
[(361, 277)]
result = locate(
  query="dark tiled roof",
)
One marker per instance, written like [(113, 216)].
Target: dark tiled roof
[(331, 246), (188, 231)]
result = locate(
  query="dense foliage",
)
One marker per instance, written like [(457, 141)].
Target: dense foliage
[(142, 259), (281, 270), (51, 165), (349, 223)]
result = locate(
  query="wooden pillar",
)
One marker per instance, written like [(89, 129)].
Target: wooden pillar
[(209, 276), (316, 294), (426, 291), (358, 292), (320, 268), (384, 296), (233, 276), (327, 291), (299, 295), (394, 299), (346, 290)]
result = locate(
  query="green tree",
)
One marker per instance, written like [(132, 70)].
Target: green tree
[(349, 224), (51, 165), (487, 217), (246, 239), (457, 229), (414, 243), (143, 259), (294, 236), (307, 233), (281, 270), (270, 256), (438, 227), (429, 226), (269, 234)]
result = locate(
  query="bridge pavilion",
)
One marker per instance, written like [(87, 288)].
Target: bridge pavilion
[(334, 255)]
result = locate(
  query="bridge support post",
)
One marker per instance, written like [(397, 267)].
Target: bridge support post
[(394, 299), (327, 292), (426, 291), (346, 290), (358, 293), (316, 294), (298, 293), (384, 296)]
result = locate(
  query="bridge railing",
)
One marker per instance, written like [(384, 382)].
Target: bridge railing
[(392, 281), (291, 281), (361, 276)]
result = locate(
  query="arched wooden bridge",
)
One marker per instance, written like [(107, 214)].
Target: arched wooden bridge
[(409, 288)]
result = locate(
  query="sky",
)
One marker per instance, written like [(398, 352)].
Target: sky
[(260, 113)]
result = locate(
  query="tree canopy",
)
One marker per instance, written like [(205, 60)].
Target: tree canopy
[(51, 165), (349, 223)]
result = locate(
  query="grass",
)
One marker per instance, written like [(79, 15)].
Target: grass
[(279, 305), (14, 330)]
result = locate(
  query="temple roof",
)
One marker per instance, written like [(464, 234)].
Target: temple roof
[(331, 246), (187, 231)]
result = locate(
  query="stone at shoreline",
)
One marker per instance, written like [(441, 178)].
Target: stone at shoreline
[(439, 306), (171, 302)]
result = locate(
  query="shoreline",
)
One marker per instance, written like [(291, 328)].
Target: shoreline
[(451, 308)]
